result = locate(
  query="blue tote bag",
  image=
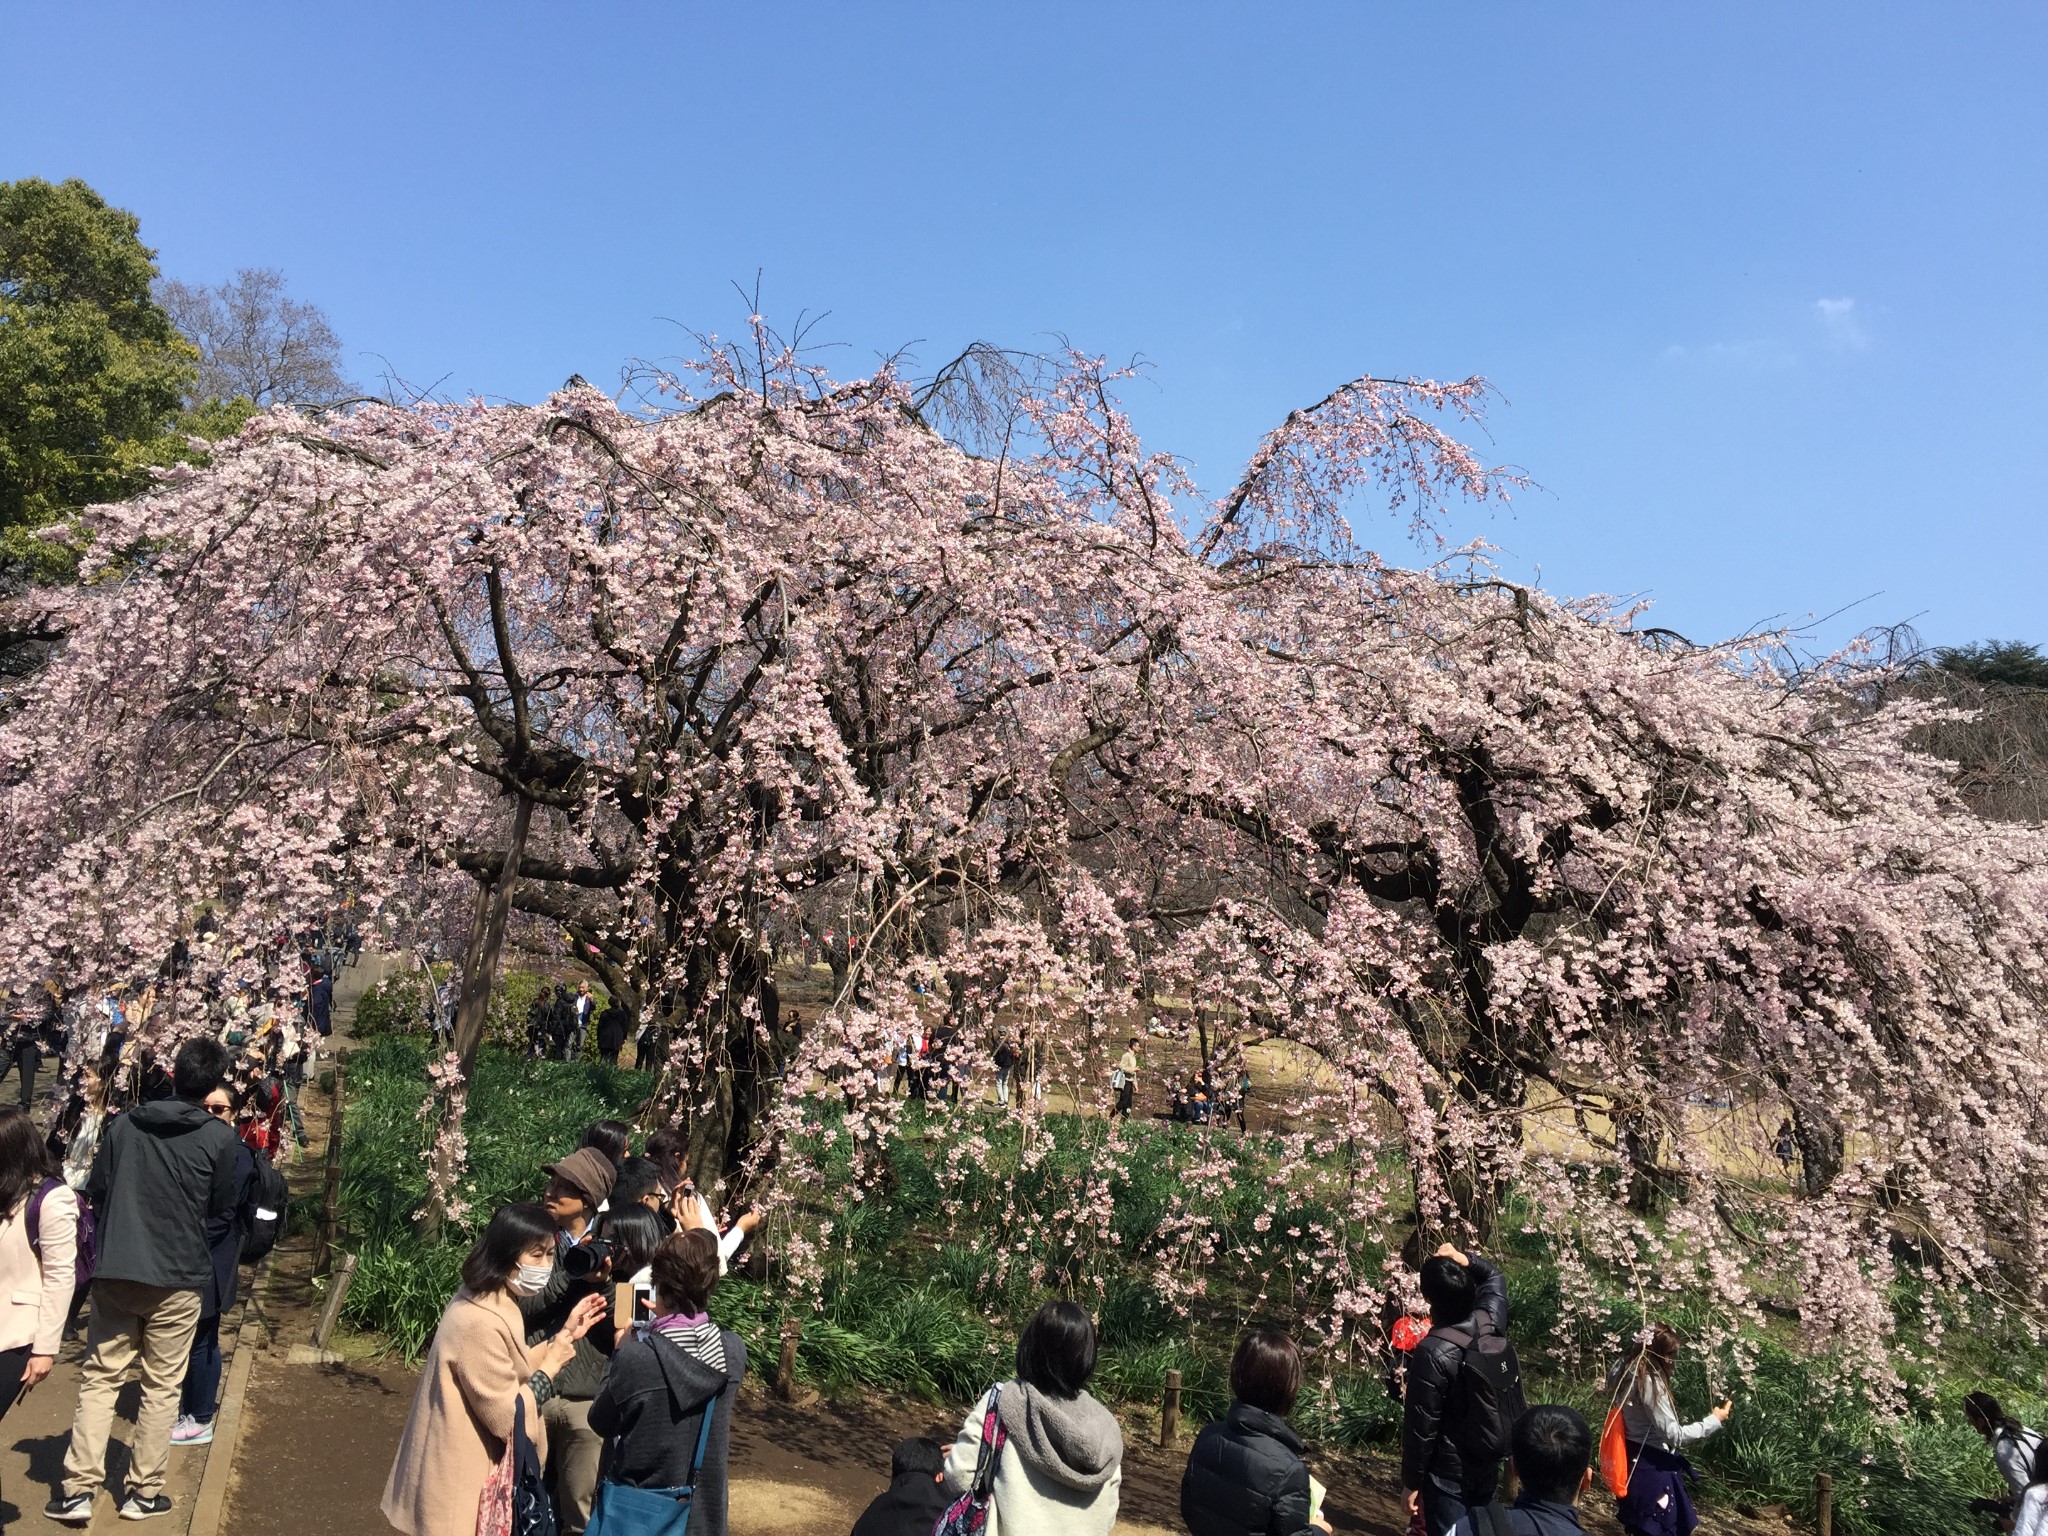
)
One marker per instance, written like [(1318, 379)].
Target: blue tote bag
[(621, 1510)]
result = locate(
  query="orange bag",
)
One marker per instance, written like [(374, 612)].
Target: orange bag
[(1614, 1454)]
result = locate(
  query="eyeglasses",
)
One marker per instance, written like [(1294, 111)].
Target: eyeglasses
[(223, 1111)]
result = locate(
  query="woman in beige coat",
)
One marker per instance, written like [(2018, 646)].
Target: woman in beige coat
[(478, 1370), (35, 1278)]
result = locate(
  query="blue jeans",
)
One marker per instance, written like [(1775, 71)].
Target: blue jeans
[(202, 1377), (1442, 1509)]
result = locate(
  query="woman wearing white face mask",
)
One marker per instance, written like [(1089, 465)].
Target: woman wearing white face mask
[(477, 1372)]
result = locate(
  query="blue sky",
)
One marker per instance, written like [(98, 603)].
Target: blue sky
[(1765, 287)]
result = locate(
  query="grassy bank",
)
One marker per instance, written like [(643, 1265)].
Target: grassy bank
[(913, 1302)]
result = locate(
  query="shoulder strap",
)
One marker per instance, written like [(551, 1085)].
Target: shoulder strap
[(704, 1433), (34, 1217), (993, 1438)]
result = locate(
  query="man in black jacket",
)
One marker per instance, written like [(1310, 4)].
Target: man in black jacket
[(916, 1495), (320, 1004), (163, 1171), (561, 1024), (1465, 1293)]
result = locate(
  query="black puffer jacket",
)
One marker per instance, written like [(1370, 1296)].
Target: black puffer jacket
[(1433, 1402), (1245, 1478)]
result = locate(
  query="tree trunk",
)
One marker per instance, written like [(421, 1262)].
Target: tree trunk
[(1640, 1140), (1479, 1192), (1819, 1137), (742, 1072), (472, 1013)]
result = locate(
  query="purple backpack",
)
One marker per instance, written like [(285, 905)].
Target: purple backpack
[(968, 1514), (88, 1234)]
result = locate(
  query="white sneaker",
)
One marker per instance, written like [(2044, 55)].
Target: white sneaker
[(190, 1431)]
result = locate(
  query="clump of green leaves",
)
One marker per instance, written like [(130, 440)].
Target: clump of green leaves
[(92, 372)]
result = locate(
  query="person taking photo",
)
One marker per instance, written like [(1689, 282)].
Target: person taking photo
[(1463, 1391), (668, 1377), (480, 1372), (1640, 1383), (578, 1185)]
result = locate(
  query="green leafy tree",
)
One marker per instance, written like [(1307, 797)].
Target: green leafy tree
[(2012, 663), (93, 375)]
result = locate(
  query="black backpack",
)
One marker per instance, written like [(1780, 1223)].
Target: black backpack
[(269, 1204), (1488, 1396)]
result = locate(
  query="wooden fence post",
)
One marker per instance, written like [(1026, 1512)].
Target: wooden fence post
[(1169, 1410), (785, 1368), (337, 1293), (1824, 1503), (323, 1239)]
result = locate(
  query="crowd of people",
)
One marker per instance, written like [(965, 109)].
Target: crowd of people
[(578, 1366), (581, 1343), (580, 1337), (147, 1245), (932, 1064), (129, 1211)]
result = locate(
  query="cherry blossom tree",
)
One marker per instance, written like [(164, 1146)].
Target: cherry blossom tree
[(1567, 911)]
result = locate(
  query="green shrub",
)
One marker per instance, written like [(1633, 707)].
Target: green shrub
[(401, 1289), (395, 1005)]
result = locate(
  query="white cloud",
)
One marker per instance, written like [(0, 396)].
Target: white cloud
[(1838, 319), (1763, 354)]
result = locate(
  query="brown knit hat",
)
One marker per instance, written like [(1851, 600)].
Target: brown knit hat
[(589, 1170)]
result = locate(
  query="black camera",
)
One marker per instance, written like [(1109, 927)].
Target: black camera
[(586, 1259)]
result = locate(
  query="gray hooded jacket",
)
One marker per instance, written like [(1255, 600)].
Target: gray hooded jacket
[(1061, 1467), (650, 1405)]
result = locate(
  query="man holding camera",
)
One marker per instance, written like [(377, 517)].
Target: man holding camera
[(577, 1186)]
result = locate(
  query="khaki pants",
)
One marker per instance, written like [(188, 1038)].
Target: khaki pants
[(127, 1319), (574, 1450)]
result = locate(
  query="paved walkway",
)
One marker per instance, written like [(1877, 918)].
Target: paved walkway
[(33, 1438), (36, 1431)]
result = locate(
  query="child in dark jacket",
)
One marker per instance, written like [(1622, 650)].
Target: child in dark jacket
[(916, 1495), (665, 1376)]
